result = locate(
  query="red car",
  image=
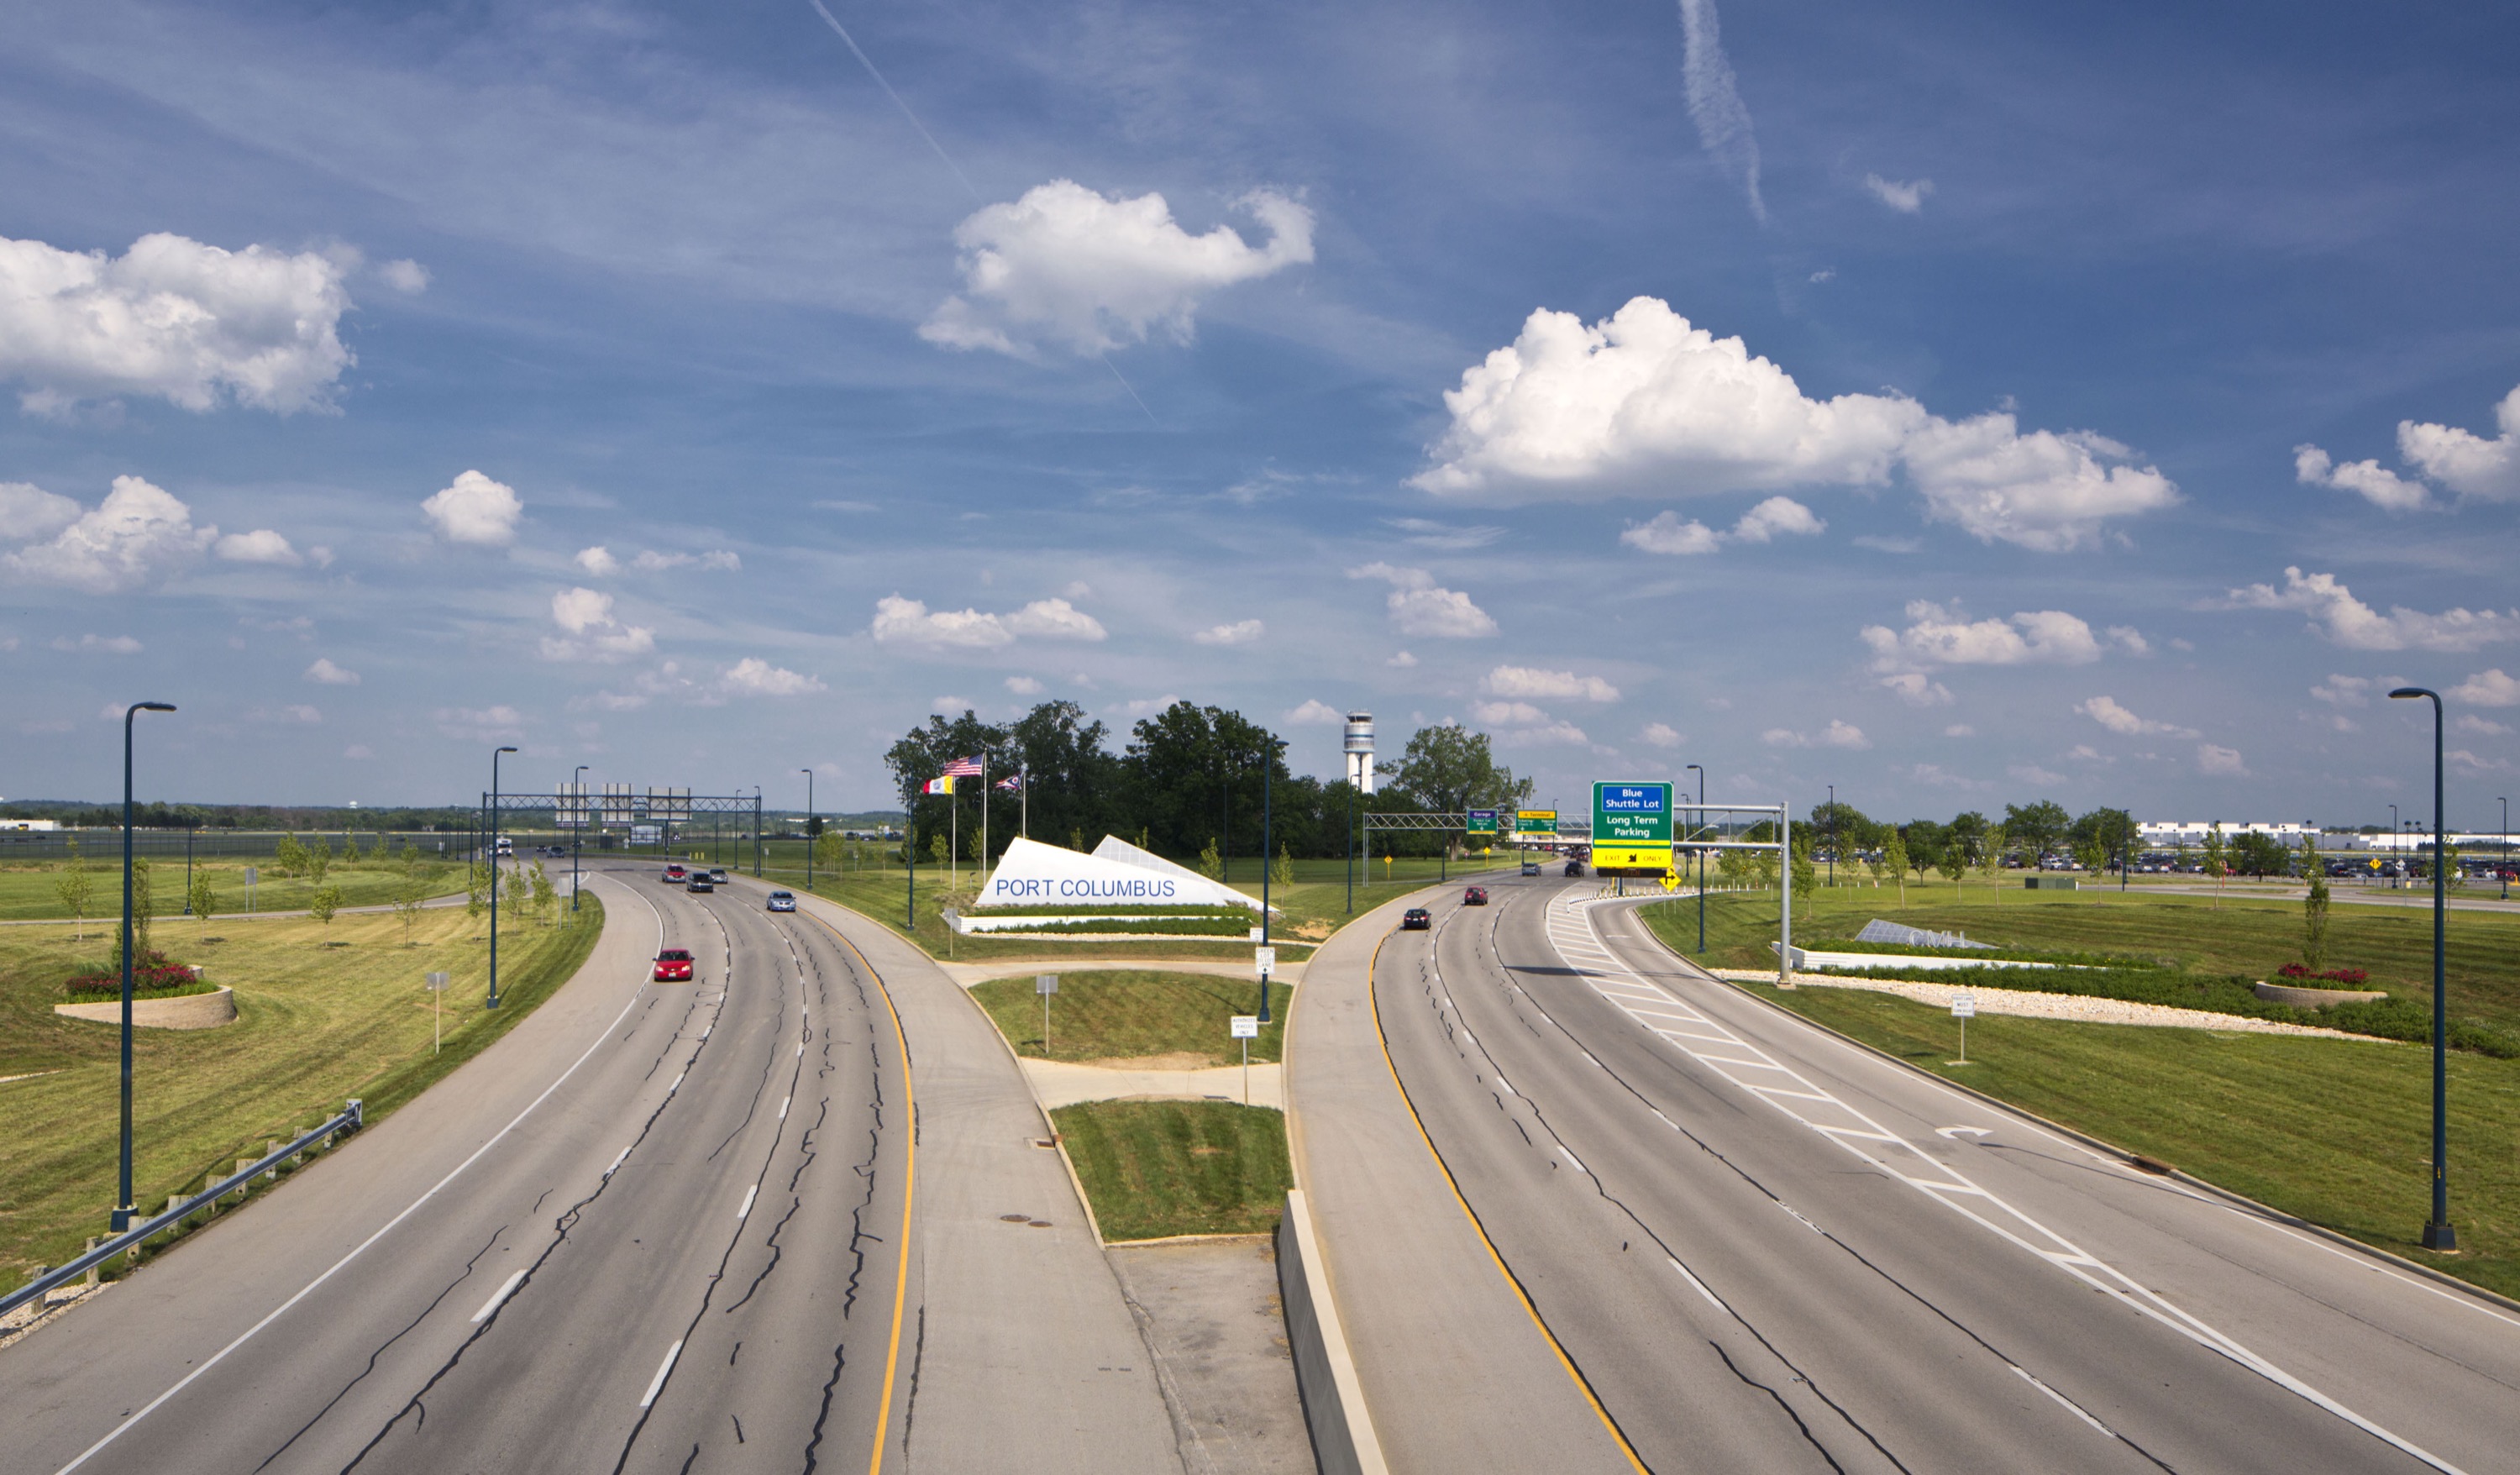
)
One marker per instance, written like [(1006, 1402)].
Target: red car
[(675, 873), (1476, 896), (674, 965)]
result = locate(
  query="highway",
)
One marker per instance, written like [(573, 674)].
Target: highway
[(1746, 1244), (658, 1226)]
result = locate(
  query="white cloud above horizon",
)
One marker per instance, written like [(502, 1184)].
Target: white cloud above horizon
[(2109, 713), (907, 621), (1907, 196), (1421, 607), (138, 537), (1941, 636), (476, 510), (2347, 621)]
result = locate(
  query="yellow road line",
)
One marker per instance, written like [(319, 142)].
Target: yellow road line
[(910, 1184), (1582, 1384)]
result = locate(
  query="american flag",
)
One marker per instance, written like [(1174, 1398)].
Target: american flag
[(963, 768)]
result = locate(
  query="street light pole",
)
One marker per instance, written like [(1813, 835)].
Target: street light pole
[(122, 1218), (1268, 763), (2506, 869), (1832, 835), (809, 830), (494, 874), (2438, 1234), (1701, 858), (578, 840)]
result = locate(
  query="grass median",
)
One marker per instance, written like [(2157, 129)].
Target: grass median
[(325, 1014), (1153, 1169), (1102, 1017), (33, 892)]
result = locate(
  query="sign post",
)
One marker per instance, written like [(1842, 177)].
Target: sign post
[(1044, 984), (1247, 1028), (250, 873), (436, 1006), (1631, 826), (1964, 1005)]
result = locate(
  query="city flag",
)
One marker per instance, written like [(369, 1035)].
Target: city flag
[(963, 768), (944, 785)]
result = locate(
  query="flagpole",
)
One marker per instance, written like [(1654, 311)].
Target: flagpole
[(1023, 800), (954, 839), (984, 819)]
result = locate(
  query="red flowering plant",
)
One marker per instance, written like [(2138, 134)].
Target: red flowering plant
[(2343, 978)]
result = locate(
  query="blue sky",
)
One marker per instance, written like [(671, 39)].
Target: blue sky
[(1957, 404)]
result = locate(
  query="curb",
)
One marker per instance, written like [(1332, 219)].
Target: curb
[(2131, 1159), (1344, 1442)]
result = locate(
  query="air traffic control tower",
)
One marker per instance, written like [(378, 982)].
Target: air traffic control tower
[(1360, 751)]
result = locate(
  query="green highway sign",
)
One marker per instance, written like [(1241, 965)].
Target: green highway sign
[(1535, 821), (1480, 821), (1632, 813)]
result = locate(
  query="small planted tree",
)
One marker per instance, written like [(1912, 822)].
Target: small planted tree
[(831, 852), (203, 899), (1952, 866), (76, 888), (1281, 871), (2314, 911), (1894, 857), (1210, 864), (326, 901), (2218, 859), (409, 893), (289, 858), (1806, 869), (546, 896), (319, 859), (1990, 859)]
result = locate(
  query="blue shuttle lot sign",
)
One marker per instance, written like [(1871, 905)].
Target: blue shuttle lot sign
[(1631, 826)]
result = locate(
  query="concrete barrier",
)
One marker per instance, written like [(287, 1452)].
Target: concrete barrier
[(2313, 999), (191, 1011), (1343, 1437)]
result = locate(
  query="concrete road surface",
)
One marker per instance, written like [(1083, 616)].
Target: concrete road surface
[(658, 1226), (1758, 1248)]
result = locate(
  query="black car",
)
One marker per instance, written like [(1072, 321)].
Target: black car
[(1416, 919), (1574, 867), (699, 881)]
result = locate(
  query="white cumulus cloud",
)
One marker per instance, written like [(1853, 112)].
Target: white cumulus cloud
[(2373, 482), (2109, 713), (28, 511), (173, 319), (1937, 636), (261, 546), (2466, 463), (1907, 196), (1531, 681), (597, 561), (493, 724), (593, 631), (1644, 403), (653, 561), (1023, 686), (325, 673), (473, 509), (1844, 734), (1315, 713), (137, 537), (1239, 633), (100, 645), (754, 677), (1056, 620), (1661, 735), (909, 622), (1507, 713), (2487, 689), (1069, 266), (2347, 691), (1917, 688), (2347, 621), (1419, 607), (1774, 518), (2212, 758), (405, 275), (1666, 533)]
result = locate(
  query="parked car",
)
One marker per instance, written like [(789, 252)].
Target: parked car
[(1531, 868), (673, 965), (676, 874), (1416, 919), (699, 882), (782, 901), (1476, 896)]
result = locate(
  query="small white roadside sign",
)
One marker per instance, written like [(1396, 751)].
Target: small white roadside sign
[(1245, 1027), (1265, 960)]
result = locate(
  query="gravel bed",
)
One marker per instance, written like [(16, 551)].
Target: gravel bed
[(2031, 1006)]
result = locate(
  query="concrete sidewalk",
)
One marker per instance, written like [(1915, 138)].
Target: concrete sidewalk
[(970, 973), (1063, 1083), (1028, 1357)]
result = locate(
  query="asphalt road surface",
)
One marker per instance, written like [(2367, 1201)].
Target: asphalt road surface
[(1762, 1248), (665, 1234)]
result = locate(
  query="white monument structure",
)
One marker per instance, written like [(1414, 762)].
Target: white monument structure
[(1360, 751), (1118, 874)]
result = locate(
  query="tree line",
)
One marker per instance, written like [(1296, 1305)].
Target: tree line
[(1187, 778)]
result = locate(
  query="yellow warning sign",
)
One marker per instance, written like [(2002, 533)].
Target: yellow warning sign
[(1631, 856)]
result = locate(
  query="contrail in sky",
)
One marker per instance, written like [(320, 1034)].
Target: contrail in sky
[(947, 160), (1723, 122)]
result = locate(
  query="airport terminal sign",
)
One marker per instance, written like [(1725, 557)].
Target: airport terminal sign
[(1535, 821), (1631, 826)]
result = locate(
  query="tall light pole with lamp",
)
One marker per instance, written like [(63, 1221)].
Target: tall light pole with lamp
[(809, 830), (494, 874), (1267, 769), (1832, 835), (1701, 858), (2506, 869), (578, 840), (2438, 1234), (122, 1218)]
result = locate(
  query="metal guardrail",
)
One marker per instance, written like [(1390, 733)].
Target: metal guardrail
[(350, 1120)]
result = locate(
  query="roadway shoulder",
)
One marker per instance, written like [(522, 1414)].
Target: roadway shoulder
[(1454, 1372), (1027, 1353)]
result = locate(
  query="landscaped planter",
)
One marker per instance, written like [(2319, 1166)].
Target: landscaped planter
[(190, 1012), (2313, 999)]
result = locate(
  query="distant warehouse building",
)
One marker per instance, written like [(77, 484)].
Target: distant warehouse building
[(2194, 832)]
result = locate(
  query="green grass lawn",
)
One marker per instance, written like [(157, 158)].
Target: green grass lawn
[(1116, 1015), (2338, 1133), (2250, 938), (31, 891), (1153, 1168), (326, 1013)]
